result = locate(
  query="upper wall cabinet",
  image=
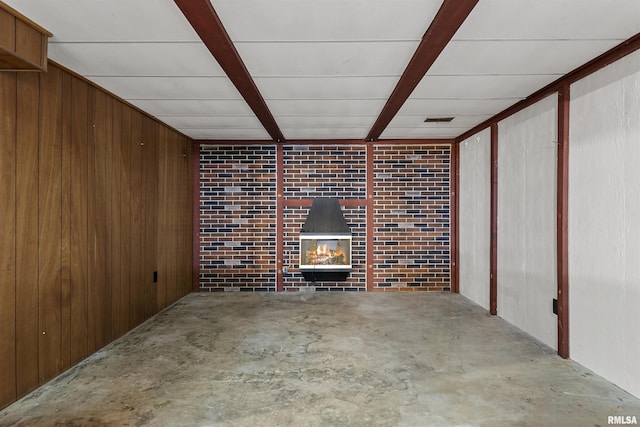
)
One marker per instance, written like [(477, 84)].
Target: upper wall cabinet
[(23, 44)]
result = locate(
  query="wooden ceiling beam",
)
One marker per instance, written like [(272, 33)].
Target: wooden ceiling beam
[(205, 21), (449, 18)]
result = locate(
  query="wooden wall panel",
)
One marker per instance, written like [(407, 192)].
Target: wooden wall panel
[(183, 214), (126, 144), (182, 245), (98, 221), (137, 217), (27, 233), (191, 156), (88, 214), (49, 225), (174, 164), (150, 190), (79, 172), (164, 219), (7, 238), (92, 253), (65, 272), (106, 162), (115, 223)]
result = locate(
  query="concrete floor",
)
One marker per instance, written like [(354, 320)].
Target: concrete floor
[(316, 359)]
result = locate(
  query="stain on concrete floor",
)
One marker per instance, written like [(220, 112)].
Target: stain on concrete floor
[(324, 359)]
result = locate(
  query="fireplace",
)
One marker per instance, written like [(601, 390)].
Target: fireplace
[(325, 252), (325, 243)]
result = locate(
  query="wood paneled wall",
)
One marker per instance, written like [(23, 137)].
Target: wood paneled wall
[(95, 197)]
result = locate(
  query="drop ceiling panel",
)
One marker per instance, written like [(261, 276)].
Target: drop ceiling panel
[(212, 122), (551, 20), (326, 58), (136, 59), (481, 86), (195, 108), (462, 121), (230, 134), (517, 56), (323, 107), (326, 20), (335, 87), (415, 127), (341, 121), (131, 88), (325, 132), (404, 133), (453, 107)]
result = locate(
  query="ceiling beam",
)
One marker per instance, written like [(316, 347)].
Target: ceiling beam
[(205, 21), (449, 18), (289, 142)]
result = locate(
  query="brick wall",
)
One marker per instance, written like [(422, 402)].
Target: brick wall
[(237, 217), (324, 171), (411, 205), (411, 214)]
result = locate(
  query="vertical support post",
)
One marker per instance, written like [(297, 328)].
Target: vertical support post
[(370, 218), (564, 98), (279, 216), (195, 261), (493, 256), (454, 248)]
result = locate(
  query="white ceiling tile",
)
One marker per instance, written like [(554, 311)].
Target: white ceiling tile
[(327, 59), (460, 121), (294, 20), (212, 122), (517, 57), (136, 59), (410, 133), (359, 107), (326, 87), (169, 87), (326, 133), (343, 121), (481, 86), (453, 107), (551, 19), (228, 134), (189, 108)]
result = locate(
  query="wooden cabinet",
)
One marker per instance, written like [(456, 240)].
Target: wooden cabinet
[(23, 44)]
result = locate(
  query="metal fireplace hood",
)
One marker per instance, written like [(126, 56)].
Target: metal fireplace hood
[(325, 243), (325, 217)]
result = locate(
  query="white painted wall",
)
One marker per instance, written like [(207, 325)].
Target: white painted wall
[(527, 165), (604, 223), (475, 217)]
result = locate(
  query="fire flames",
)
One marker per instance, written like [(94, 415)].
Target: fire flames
[(323, 251), (324, 254)]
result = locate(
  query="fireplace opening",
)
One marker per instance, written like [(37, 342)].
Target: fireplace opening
[(325, 243), (325, 252)]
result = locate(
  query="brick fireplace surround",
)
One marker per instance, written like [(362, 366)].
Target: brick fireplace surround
[(396, 198)]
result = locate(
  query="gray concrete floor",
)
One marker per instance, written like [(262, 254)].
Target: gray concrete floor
[(316, 359)]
